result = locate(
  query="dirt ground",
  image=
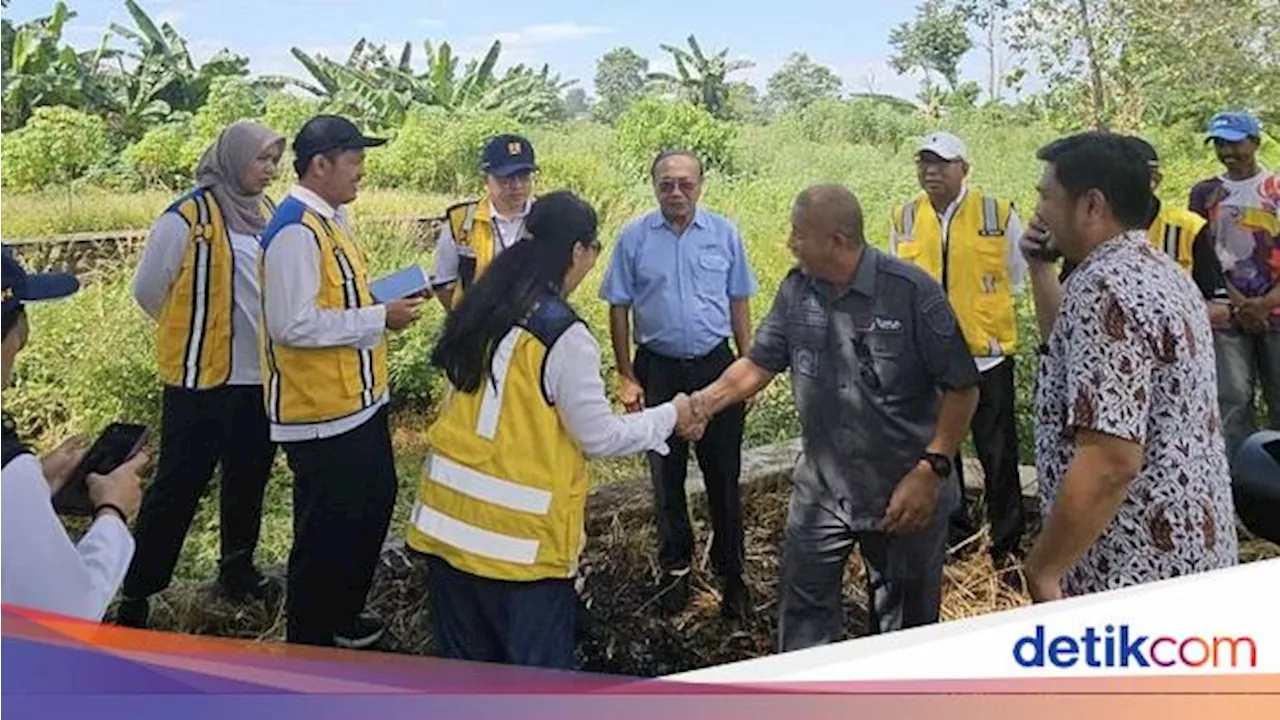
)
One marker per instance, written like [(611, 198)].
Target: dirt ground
[(622, 631)]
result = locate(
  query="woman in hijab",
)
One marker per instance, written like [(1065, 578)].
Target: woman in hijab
[(198, 279)]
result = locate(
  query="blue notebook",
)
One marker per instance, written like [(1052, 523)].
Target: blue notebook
[(405, 283)]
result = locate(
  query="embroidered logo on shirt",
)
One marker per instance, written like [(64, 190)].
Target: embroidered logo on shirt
[(880, 323)]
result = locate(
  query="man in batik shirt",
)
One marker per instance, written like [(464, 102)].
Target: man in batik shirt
[(1129, 448)]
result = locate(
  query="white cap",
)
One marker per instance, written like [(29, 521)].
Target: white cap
[(944, 145)]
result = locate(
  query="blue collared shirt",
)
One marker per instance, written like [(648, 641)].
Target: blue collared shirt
[(679, 288)]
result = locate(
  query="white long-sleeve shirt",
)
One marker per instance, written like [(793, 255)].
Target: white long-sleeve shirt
[(42, 569), (572, 380), (158, 269), (291, 284)]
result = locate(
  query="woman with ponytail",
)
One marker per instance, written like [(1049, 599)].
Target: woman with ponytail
[(501, 506)]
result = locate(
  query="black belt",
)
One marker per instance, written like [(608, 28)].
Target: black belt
[(724, 344)]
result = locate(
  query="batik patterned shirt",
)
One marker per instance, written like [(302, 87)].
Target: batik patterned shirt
[(1131, 355)]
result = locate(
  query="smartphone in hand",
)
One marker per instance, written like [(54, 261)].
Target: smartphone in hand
[(117, 444)]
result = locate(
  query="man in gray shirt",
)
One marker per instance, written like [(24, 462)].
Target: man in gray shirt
[(885, 387)]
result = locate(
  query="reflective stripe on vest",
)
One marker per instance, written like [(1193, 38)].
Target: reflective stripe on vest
[(314, 385), (200, 295), (991, 217), (503, 490), (351, 300), (1172, 235)]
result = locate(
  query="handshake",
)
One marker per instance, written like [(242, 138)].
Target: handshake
[(692, 415)]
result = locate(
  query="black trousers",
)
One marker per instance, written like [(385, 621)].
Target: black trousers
[(344, 491), (995, 437), (200, 429), (495, 621), (719, 455)]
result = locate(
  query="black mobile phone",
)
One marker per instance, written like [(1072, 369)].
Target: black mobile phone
[(117, 444)]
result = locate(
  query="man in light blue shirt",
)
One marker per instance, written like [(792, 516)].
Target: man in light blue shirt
[(683, 273)]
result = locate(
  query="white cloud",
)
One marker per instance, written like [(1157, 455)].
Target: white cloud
[(546, 33), (430, 23), (525, 45)]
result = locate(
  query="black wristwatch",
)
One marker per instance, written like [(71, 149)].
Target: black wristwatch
[(939, 463)]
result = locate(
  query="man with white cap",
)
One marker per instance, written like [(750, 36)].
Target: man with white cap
[(967, 240)]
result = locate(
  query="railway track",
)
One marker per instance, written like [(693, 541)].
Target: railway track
[(83, 253)]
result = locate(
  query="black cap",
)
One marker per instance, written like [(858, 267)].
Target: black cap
[(507, 155), (23, 287), (323, 133)]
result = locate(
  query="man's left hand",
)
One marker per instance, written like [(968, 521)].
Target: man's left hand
[(913, 502), (1043, 586), (59, 464), (1254, 313)]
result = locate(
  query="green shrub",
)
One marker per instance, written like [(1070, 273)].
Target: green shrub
[(286, 114), (90, 361), (651, 126), (858, 121), (159, 157), (437, 152), (57, 145)]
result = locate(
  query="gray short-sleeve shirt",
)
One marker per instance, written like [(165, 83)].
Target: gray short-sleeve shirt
[(868, 366)]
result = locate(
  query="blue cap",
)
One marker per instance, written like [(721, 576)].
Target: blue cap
[(23, 287), (1234, 127), (507, 155)]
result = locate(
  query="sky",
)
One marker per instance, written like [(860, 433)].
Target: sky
[(850, 37)]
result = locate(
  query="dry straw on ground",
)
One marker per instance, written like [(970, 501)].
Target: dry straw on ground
[(623, 631)]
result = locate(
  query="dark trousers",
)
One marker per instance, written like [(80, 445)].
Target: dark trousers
[(904, 572), (995, 437), (344, 490), (719, 455), (496, 621), (200, 429)]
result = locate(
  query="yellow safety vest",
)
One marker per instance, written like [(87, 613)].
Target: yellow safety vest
[(471, 224), (1174, 231), (310, 385), (504, 487), (193, 339), (975, 270)]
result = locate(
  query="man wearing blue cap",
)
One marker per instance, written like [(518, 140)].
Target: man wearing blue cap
[(1242, 207), (477, 230)]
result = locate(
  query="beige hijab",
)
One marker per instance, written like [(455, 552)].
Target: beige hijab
[(222, 170)]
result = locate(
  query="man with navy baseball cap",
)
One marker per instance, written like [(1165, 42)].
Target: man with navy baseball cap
[(21, 287), (44, 568), (1242, 207), (475, 231)]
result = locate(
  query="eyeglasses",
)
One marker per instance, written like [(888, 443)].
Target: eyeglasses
[(519, 178), (866, 366), (685, 186)]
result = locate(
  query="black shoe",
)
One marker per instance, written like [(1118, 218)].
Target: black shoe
[(248, 586), (737, 598), (363, 630), (674, 592), (134, 613)]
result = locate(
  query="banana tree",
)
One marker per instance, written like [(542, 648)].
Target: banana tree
[(380, 88), (157, 81), (701, 78), (39, 70)]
